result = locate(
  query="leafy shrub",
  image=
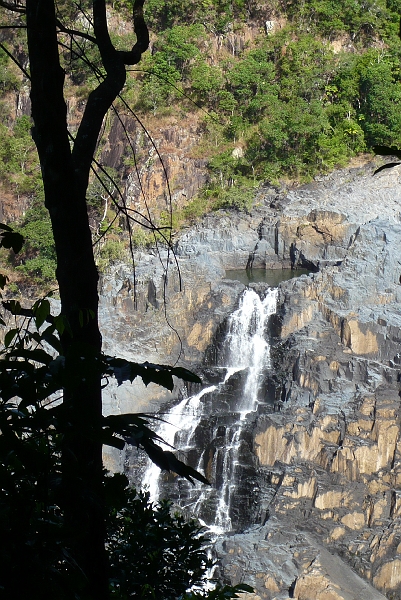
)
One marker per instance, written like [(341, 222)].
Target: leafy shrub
[(111, 251), (240, 198), (206, 82), (19, 165), (8, 74), (155, 553), (38, 257)]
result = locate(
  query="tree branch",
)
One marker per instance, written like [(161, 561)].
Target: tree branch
[(19, 65), (74, 32), (13, 7), (142, 36), (101, 99), (101, 30)]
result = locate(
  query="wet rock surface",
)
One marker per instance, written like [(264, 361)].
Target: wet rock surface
[(326, 520)]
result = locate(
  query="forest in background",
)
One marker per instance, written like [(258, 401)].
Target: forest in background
[(279, 91)]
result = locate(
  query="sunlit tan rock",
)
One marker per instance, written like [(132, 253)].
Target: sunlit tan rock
[(306, 489), (380, 509), (331, 499), (358, 341), (271, 584), (355, 520), (298, 320), (279, 444), (201, 335), (315, 588), (388, 576), (270, 445), (368, 406), (337, 533)]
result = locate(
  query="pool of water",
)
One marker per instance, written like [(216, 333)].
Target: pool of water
[(271, 277)]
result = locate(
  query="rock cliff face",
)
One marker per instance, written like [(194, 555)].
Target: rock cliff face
[(176, 143), (327, 521), (332, 453)]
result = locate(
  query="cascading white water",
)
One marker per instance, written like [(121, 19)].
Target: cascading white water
[(245, 349), (248, 348), (181, 418)]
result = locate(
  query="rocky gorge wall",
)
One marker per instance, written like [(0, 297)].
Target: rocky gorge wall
[(327, 521), (332, 452)]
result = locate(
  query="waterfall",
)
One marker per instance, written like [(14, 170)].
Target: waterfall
[(181, 419), (245, 355)]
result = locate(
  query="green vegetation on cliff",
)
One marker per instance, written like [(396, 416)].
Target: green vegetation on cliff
[(320, 87), (284, 90)]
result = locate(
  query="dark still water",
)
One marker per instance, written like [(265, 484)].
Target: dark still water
[(271, 277)]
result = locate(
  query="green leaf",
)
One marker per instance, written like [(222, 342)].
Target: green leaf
[(133, 428), (124, 370), (84, 316), (60, 323), (387, 151), (10, 335), (156, 374), (52, 340), (13, 306), (41, 310), (386, 166), (243, 587), (185, 375), (3, 280), (167, 461), (112, 440), (12, 239), (36, 355)]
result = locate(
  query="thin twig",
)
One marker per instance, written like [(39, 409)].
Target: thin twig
[(24, 71)]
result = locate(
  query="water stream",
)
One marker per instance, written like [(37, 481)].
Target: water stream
[(208, 428)]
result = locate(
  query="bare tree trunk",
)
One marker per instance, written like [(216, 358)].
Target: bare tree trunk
[(77, 277), (65, 174)]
